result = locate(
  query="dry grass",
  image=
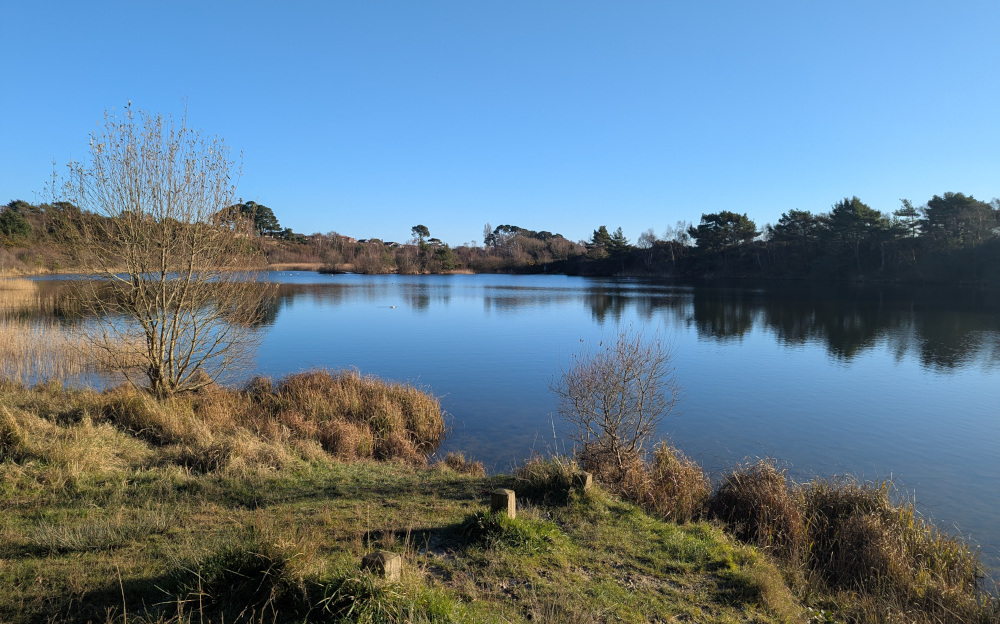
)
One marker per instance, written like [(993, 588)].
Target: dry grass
[(356, 416), (460, 463), (757, 505), (667, 484), (37, 348), (161, 423), (670, 486), (17, 295), (879, 558), (222, 430), (861, 540), (39, 351), (345, 414)]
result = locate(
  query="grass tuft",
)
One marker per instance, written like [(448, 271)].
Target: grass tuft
[(861, 540), (352, 416), (546, 480), (120, 529), (459, 463), (156, 422), (246, 575), (12, 437), (670, 486), (755, 503), (525, 535)]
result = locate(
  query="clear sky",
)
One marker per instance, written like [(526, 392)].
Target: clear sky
[(367, 118)]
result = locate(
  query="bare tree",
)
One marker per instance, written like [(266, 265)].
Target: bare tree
[(175, 263), (647, 242), (614, 397)]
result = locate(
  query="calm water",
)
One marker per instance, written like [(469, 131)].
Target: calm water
[(875, 381)]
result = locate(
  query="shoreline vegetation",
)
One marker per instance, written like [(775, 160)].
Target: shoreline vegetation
[(257, 503)]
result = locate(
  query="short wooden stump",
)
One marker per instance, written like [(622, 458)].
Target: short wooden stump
[(503, 501), (583, 480), (384, 564)]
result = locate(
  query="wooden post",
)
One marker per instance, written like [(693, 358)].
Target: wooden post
[(582, 480), (503, 500), (383, 564)]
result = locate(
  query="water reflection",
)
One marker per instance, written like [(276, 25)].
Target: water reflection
[(944, 328)]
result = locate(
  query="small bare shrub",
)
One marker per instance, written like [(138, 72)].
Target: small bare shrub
[(755, 502), (614, 397), (175, 261)]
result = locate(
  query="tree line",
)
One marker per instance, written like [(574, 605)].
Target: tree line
[(952, 237)]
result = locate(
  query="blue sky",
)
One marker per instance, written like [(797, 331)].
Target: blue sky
[(367, 118)]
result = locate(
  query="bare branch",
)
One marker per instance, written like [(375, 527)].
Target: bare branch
[(178, 267), (614, 397)]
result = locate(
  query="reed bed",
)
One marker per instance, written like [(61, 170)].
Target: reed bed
[(40, 351), (17, 295), (37, 348)]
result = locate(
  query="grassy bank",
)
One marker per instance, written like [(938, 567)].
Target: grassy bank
[(257, 505), (238, 506)]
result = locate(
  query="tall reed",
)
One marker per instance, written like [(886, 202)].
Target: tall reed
[(37, 348)]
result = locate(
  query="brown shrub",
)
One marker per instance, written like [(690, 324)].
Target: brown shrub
[(605, 465), (358, 416), (755, 503), (671, 486), (668, 485), (862, 541)]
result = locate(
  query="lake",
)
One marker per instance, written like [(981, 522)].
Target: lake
[(875, 381)]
